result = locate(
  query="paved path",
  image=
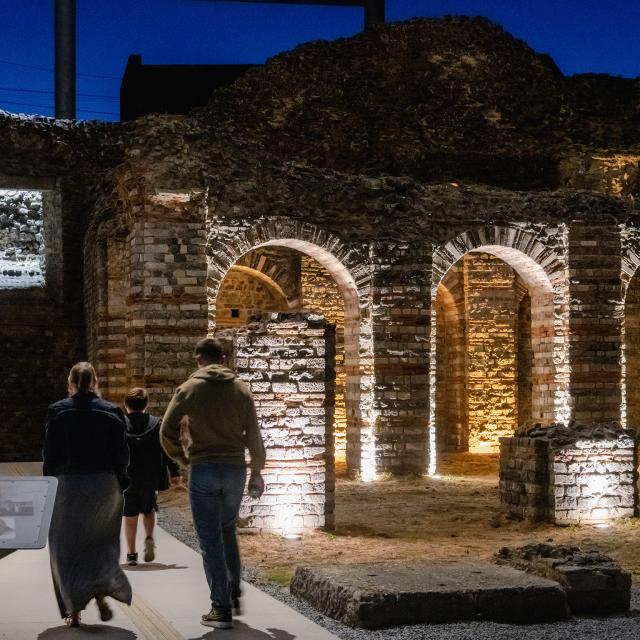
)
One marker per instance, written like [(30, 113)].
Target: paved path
[(170, 595)]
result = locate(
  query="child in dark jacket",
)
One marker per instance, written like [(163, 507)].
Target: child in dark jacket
[(149, 470)]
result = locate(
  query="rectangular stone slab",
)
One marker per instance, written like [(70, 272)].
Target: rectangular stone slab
[(380, 596)]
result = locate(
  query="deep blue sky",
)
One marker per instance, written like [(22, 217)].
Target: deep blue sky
[(581, 35)]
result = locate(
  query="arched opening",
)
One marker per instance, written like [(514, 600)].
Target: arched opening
[(324, 284), (631, 371), (499, 346)]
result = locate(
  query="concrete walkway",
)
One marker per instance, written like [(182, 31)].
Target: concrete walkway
[(170, 595)]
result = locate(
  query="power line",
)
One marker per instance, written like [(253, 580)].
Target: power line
[(48, 106), (31, 66), (86, 95)]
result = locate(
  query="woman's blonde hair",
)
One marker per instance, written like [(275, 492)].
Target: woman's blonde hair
[(82, 378)]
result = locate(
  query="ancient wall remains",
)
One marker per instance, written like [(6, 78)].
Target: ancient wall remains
[(245, 293), (570, 475), (320, 293), (22, 249), (288, 362)]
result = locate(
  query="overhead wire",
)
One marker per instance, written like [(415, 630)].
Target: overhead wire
[(82, 95), (49, 69)]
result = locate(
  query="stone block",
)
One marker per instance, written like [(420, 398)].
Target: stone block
[(382, 596), (595, 584)]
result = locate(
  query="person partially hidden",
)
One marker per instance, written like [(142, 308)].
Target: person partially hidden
[(149, 471)]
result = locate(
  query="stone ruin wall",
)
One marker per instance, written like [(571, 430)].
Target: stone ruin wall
[(246, 295), (320, 293), (137, 187), (288, 362), (483, 363), (588, 477), (22, 249)]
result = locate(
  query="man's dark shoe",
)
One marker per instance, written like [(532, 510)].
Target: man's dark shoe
[(237, 607), (132, 559), (218, 618)]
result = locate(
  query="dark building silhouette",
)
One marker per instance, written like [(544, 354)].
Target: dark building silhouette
[(171, 88)]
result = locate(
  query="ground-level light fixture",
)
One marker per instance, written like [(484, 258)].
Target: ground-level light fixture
[(292, 537)]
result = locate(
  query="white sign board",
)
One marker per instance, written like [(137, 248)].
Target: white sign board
[(26, 505)]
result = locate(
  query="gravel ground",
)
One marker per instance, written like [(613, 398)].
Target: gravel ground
[(625, 627)]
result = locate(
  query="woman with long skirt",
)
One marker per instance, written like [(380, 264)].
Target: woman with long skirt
[(85, 448)]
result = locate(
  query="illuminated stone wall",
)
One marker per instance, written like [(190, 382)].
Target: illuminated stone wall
[(320, 293), (244, 294), (595, 289), (492, 301), (288, 362), (22, 249), (483, 354), (581, 474)]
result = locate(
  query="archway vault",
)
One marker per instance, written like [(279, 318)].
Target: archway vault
[(543, 269), (227, 243)]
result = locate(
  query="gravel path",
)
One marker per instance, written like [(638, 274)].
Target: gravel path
[(625, 627)]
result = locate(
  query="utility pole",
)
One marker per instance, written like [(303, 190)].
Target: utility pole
[(65, 59), (373, 12)]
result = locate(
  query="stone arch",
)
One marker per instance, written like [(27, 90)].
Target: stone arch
[(630, 374), (543, 268), (226, 244)]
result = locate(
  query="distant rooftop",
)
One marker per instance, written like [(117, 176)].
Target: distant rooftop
[(171, 88)]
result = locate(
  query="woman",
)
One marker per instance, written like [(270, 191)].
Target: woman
[(85, 448)]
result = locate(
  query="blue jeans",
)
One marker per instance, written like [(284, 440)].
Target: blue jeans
[(215, 492)]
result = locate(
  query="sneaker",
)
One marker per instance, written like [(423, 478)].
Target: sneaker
[(132, 559), (218, 618), (149, 549), (237, 608)]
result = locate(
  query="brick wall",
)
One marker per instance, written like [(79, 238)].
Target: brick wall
[(401, 318), (320, 293), (595, 288), (243, 294), (288, 362)]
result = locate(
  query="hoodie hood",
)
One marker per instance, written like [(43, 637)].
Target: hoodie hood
[(214, 373)]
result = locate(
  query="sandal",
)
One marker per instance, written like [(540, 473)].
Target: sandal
[(105, 610), (72, 619)]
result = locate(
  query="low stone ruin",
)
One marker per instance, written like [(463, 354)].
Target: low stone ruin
[(570, 474), (288, 361), (378, 596), (595, 584)]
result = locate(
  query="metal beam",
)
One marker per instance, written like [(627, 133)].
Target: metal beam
[(373, 9), (65, 59)]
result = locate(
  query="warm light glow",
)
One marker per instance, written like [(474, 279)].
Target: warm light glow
[(292, 537), (602, 525), (432, 452)]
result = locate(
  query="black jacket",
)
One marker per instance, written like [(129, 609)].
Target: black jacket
[(148, 465), (85, 434)]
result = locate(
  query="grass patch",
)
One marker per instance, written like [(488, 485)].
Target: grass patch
[(280, 575)]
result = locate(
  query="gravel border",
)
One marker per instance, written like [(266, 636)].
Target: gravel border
[(620, 627)]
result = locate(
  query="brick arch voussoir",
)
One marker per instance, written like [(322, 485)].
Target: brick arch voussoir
[(225, 248), (507, 237)]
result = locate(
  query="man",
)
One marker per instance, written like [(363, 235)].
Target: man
[(221, 423), (149, 468)]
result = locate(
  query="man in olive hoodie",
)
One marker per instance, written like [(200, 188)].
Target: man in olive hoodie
[(220, 424)]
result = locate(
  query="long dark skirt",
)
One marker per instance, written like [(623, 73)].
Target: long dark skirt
[(84, 541)]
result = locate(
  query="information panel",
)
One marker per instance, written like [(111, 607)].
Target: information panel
[(26, 505)]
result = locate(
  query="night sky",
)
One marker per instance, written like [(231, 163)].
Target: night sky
[(581, 35)]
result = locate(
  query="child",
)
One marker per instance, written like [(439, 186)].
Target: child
[(149, 468)]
